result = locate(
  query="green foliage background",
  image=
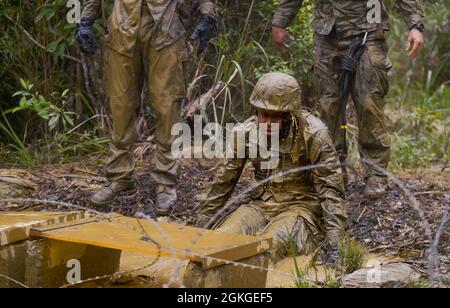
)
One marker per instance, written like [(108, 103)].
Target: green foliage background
[(37, 46)]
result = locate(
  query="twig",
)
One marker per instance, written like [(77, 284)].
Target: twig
[(83, 177), (35, 41), (433, 257), (360, 215), (203, 101), (438, 192), (84, 122)]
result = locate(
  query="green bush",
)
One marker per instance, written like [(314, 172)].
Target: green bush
[(60, 135), (419, 100), (408, 153), (352, 255), (422, 125)]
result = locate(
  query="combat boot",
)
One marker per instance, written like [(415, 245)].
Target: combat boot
[(108, 194), (166, 197), (376, 187)]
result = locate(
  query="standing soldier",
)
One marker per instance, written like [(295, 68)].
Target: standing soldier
[(146, 41), (351, 58), (306, 206)]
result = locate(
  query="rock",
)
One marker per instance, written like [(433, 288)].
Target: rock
[(382, 276)]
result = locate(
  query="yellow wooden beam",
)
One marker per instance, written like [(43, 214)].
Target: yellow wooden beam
[(15, 226), (165, 239)]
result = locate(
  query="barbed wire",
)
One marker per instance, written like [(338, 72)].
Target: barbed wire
[(15, 281), (433, 254), (186, 252), (105, 216)]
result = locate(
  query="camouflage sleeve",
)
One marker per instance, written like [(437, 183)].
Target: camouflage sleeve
[(221, 189), (286, 12), (328, 183), (412, 11), (91, 9), (207, 7)]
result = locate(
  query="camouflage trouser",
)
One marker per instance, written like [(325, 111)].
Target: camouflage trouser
[(124, 80), (368, 92), (285, 228)]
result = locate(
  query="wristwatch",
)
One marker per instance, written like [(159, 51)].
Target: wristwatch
[(420, 26)]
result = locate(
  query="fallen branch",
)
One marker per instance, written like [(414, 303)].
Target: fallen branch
[(438, 192), (201, 103), (433, 257)]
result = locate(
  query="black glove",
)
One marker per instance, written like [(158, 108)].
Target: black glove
[(204, 31), (85, 36)]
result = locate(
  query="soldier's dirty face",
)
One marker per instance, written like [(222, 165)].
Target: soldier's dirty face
[(270, 118)]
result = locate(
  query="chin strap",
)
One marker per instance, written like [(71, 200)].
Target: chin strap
[(298, 138)]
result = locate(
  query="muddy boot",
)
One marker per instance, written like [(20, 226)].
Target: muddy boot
[(376, 187), (108, 194), (166, 196)]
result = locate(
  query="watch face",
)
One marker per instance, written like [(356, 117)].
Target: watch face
[(420, 27)]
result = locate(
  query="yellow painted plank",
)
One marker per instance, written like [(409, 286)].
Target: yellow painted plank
[(15, 226), (143, 236)]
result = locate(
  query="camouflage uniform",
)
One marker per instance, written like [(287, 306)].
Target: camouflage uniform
[(301, 205), (126, 21), (336, 23), (147, 42)]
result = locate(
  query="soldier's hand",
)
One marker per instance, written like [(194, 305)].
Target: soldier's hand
[(85, 36), (415, 43), (281, 39), (204, 31)]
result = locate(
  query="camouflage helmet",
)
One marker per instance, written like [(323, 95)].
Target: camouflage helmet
[(277, 92)]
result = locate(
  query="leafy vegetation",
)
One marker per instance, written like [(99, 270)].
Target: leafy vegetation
[(64, 114), (352, 254), (419, 101)]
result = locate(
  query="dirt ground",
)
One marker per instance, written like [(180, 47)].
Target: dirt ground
[(389, 226)]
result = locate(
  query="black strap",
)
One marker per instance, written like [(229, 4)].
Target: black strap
[(348, 66)]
